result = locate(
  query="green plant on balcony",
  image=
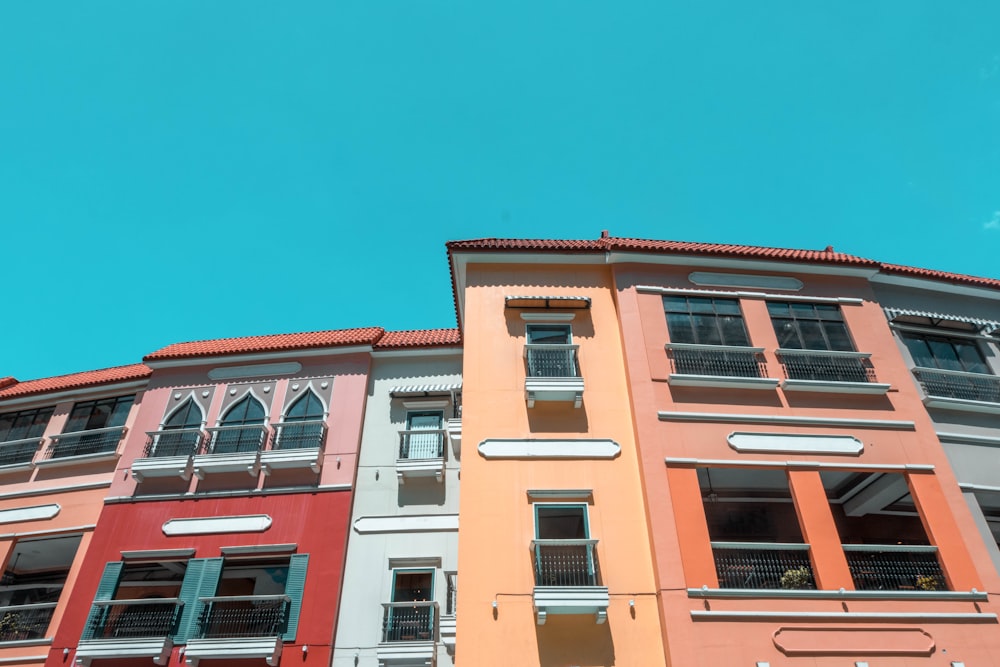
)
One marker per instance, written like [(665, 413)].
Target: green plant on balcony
[(795, 578), (12, 628), (926, 583)]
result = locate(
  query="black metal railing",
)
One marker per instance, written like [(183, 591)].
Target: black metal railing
[(716, 360), (27, 621), (566, 563), (957, 384), (18, 451), (409, 621), (421, 444), (827, 366), (762, 565), (552, 360), (80, 443), (236, 439), (451, 605), (299, 435), (130, 619), (173, 442), (895, 567), (243, 616)]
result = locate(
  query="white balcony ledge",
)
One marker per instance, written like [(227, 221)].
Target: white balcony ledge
[(454, 429), (414, 468), (61, 461), (567, 389), (163, 466), (248, 462), (721, 381), (406, 654), (571, 600), (961, 404), (284, 459), (836, 387), (448, 631), (157, 648), (268, 648)]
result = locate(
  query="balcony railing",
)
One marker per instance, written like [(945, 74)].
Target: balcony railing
[(716, 360), (421, 444), (299, 435), (552, 360), (566, 563), (893, 567), (132, 619), (452, 603), (409, 621), (957, 384), (243, 616), (762, 565), (14, 452), (236, 439), (26, 621), (80, 443), (173, 442), (827, 366)]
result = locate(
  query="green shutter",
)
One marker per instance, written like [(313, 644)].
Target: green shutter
[(295, 585), (200, 580), (105, 591)]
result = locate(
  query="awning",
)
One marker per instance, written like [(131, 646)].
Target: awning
[(426, 390), (576, 302), (936, 319)]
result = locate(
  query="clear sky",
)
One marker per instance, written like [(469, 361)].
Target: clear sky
[(178, 170)]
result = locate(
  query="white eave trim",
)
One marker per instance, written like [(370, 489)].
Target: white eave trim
[(239, 359), (745, 264), (961, 404), (966, 438), (756, 593), (936, 284), (443, 351), (99, 391), (743, 294)]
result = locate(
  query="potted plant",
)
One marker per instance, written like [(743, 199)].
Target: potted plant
[(795, 578), (926, 583)]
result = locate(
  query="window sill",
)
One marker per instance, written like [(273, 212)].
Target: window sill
[(834, 387), (157, 648), (961, 405), (721, 381), (559, 600), (164, 466), (77, 460), (724, 593), (283, 459), (568, 389)]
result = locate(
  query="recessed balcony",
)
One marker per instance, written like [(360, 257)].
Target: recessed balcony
[(295, 445), (959, 390), (568, 580), (895, 567), (231, 449), (130, 629), (69, 448), (409, 633), (719, 366), (763, 565), (25, 622), (18, 453), (829, 371), (168, 453), (241, 626), (421, 454), (553, 374)]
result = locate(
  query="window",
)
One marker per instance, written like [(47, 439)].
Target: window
[(410, 616), (103, 413), (303, 425), (550, 352), (564, 552), (950, 354), (32, 583), (305, 408), (809, 326), (705, 321), (423, 437), (24, 424), (181, 432), (187, 416), (247, 411), (241, 428)]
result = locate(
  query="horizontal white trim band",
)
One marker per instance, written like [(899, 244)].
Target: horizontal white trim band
[(887, 616), (51, 531), (844, 300), (736, 418), (970, 439), (724, 593), (285, 490), (406, 524), (681, 462), (266, 356)]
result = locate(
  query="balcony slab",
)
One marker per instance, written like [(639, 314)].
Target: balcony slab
[(722, 382), (571, 600), (553, 389), (420, 468), (164, 466), (268, 648), (284, 459), (212, 463), (835, 387), (406, 654), (157, 648)]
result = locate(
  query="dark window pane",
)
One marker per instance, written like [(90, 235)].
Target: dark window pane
[(188, 416), (972, 361), (705, 331), (247, 411), (727, 307), (307, 407), (837, 334), (944, 354), (920, 351), (805, 311), (812, 335), (549, 335), (561, 523), (675, 304), (119, 412), (825, 311), (777, 309), (733, 331), (679, 327), (788, 335), (700, 305)]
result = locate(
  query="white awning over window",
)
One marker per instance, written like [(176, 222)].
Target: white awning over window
[(426, 390), (573, 302), (987, 326)]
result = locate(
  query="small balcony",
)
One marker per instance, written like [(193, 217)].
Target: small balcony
[(829, 371), (168, 453), (763, 565), (409, 632), (241, 626), (98, 443), (25, 622), (231, 449), (720, 366), (568, 579), (295, 445), (895, 567), (553, 374), (18, 452), (130, 629), (958, 390), (421, 454)]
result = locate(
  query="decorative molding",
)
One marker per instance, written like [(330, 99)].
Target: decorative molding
[(680, 462), (406, 524), (854, 641), (157, 648), (711, 279), (34, 513), (268, 648), (737, 418), (234, 493), (841, 616), (571, 600), (86, 528), (549, 449), (794, 443), (163, 554), (561, 494), (548, 317), (415, 561), (963, 438), (722, 381), (553, 389), (66, 461), (259, 549), (842, 300), (55, 490), (250, 523), (834, 387), (756, 593), (961, 404), (426, 403)]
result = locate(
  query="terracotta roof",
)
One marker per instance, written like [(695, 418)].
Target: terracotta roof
[(274, 343), (77, 380), (940, 275), (420, 338), (7, 382)]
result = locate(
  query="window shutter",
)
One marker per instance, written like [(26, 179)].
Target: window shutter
[(200, 580), (295, 585), (105, 591)]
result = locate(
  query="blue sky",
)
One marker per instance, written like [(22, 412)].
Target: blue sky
[(182, 170)]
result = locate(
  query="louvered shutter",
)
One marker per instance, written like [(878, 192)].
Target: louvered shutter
[(200, 580), (105, 591), (295, 586)]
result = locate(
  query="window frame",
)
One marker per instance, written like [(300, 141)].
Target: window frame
[(794, 318), (714, 316)]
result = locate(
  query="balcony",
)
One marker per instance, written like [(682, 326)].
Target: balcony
[(552, 374), (958, 390), (409, 632), (130, 629), (168, 453), (421, 454), (895, 567), (763, 565), (97, 444), (18, 452), (568, 580), (241, 626), (295, 445), (25, 622), (829, 371), (719, 366), (231, 449)]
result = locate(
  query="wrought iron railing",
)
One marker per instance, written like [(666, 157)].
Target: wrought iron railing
[(957, 384), (26, 621), (452, 604), (236, 439), (299, 435), (895, 567), (173, 442), (763, 565), (80, 443), (716, 360), (13, 452), (827, 366), (130, 619), (566, 563), (421, 444), (546, 360), (243, 616), (409, 621)]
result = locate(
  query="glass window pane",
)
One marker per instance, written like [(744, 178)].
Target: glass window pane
[(733, 331), (777, 309), (812, 335), (548, 335), (836, 334), (119, 411), (919, 350), (675, 304), (561, 523), (6, 422), (727, 307), (972, 361), (78, 417), (705, 331), (826, 311), (944, 354), (788, 334), (679, 327), (803, 310), (700, 305)]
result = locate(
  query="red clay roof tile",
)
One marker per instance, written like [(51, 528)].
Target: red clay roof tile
[(420, 338), (940, 275), (77, 380), (273, 343), (7, 382)]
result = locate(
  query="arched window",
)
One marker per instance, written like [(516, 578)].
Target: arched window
[(247, 411), (186, 416), (241, 429), (307, 428), (185, 436), (307, 408)]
